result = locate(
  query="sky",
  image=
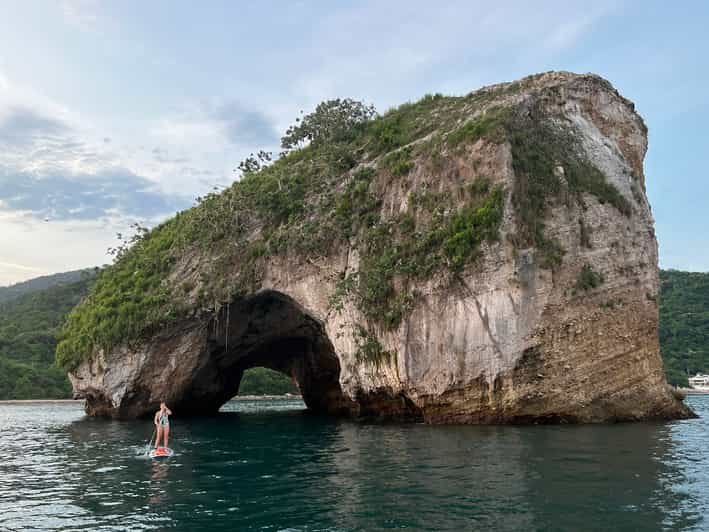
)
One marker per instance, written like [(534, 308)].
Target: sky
[(120, 112)]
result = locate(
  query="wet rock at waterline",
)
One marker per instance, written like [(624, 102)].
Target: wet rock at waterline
[(483, 259)]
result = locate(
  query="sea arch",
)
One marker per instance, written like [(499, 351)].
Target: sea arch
[(269, 329)]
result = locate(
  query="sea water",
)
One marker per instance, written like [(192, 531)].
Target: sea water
[(267, 465)]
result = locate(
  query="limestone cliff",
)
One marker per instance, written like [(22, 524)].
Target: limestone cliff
[(483, 259)]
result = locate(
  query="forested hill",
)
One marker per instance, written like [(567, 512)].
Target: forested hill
[(8, 293), (28, 326), (684, 324)]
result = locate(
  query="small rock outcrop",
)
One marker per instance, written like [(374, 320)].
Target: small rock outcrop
[(483, 259)]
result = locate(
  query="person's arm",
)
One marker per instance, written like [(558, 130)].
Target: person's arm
[(155, 418), (169, 412)]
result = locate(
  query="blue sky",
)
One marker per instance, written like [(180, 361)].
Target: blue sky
[(114, 112)]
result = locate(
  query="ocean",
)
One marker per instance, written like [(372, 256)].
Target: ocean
[(268, 465)]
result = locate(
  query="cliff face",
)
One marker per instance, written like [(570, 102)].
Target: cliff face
[(496, 263)]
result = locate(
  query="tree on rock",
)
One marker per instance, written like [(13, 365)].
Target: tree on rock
[(332, 121)]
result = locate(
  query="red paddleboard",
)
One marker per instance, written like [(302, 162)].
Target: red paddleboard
[(161, 452)]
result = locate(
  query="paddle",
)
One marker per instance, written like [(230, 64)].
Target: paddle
[(150, 443)]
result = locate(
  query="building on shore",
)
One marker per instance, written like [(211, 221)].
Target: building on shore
[(699, 383)]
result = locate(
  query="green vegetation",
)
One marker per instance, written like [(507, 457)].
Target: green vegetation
[(399, 162), (547, 161), (369, 350), (126, 300), (490, 125), (28, 326), (264, 381), (589, 278), (548, 164), (612, 304), (684, 324), (325, 190), (470, 226), (396, 251), (356, 207), (409, 122), (585, 233), (332, 121)]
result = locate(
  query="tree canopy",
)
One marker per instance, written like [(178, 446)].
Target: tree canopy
[(28, 328), (684, 324), (332, 121), (264, 381)]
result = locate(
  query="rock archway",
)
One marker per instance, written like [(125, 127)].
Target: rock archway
[(513, 333), (197, 366), (270, 330)]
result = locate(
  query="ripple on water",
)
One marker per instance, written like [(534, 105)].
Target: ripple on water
[(263, 465)]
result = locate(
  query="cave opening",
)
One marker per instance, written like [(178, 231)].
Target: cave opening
[(260, 381), (270, 330)]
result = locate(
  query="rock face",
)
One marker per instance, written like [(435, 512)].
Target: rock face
[(566, 334)]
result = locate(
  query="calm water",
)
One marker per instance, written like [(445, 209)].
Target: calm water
[(267, 466)]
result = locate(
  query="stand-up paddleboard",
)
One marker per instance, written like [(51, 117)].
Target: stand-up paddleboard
[(161, 452)]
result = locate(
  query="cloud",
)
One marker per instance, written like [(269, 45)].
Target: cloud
[(111, 192), (41, 138), (198, 146), (31, 247), (568, 32), (52, 168), (456, 46), (162, 155), (245, 126), (83, 14), (20, 125), (223, 126), (22, 267)]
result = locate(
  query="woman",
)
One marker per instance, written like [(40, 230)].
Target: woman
[(162, 424)]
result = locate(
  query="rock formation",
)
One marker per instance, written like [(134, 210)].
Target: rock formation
[(483, 259)]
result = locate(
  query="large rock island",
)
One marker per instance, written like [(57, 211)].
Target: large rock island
[(489, 258)]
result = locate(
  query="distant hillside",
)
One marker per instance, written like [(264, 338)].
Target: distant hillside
[(684, 324), (263, 381), (28, 326), (8, 293)]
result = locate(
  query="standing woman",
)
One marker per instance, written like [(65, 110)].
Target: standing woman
[(162, 425)]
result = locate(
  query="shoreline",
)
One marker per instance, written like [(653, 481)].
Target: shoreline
[(67, 401), (37, 401), (265, 397)]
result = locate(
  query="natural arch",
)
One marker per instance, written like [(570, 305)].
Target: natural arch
[(269, 329)]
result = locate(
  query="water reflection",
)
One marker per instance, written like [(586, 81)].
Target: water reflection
[(285, 470), (157, 480), (512, 478), (611, 475)]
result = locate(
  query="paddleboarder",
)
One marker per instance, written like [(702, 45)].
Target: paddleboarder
[(162, 425)]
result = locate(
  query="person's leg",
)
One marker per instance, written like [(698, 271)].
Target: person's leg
[(166, 435), (157, 439)]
